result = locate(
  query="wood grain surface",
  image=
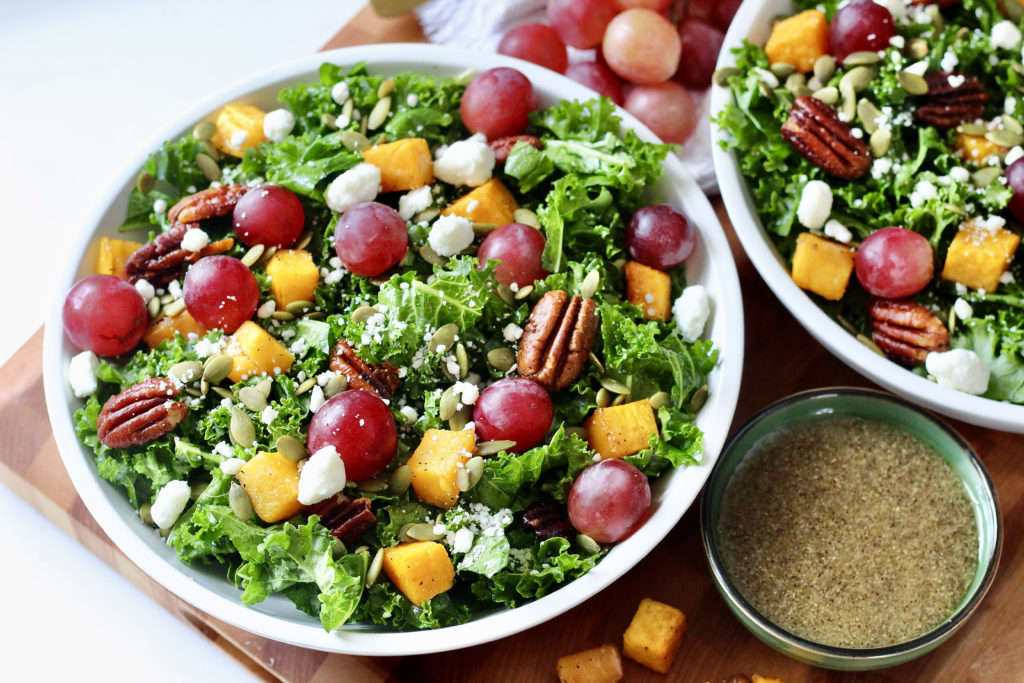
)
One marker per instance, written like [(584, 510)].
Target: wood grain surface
[(781, 358)]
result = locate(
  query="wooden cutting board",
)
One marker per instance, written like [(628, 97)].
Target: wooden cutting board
[(716, 645)]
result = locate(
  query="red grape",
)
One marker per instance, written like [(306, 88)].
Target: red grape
[(1014, 175), (104, 314), (642, 46), (515, 409), (598, 78), (360, 427), (370, 238), (580, 23), (724, 11), (220, 292), (894, 263), (609, 500), (703, 10), (519, 248), (659, 236), (498, 103), (701, 44), (269, 215), (537, 43), (666, 108), (656, 5), (863, 25)]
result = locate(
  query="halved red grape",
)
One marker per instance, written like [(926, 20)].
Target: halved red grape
[(666, 108), (220, 292), (537, 43), (659, 236), (269, 215), (641, 46), (514, 409), (894, 263), (370, 238), (1014, 175), (701, 44), (580, 23), (656, 5), (498, 103), (104, 314), (360, 427), (724, 11), (599, 78), (609, 500), (863, 25), (519, 248)]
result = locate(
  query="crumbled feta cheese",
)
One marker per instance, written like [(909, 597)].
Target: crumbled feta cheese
[(82, 373), (960, 288), (359, 184), (322, 476), (238, 138), (923, 192), (880, 167), (224, 448), (691, 311), (1014, 154), (897, 41), (174, 289), (316, 399), (1009, 105), (206, 348), (770, 79), (339, 92), (159, 206), (466, 162), (409, 413), (411, 203), (450, 234), (959, 369), (815, 204), (412, 100), (231, 466), (463, 541), (962, 309), (838, 232), (960, 174), (949, 61), (918, 68), (1005, 35), (170, 503), (956, 80), (468, 393), (1007, 278), (268, 415), (145, 290), (511, 332), (278, 124), (195, 239), (266, 309)]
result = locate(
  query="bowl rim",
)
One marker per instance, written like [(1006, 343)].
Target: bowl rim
[(761, 251), (488, 626), (736, 599)]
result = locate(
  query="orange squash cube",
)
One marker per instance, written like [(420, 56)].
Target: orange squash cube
[(256, 352), (979, 255), (757, 678), (404, 164), (232, 121), (421, 570), (799, 40), (489, 203), (113, 254), (822, 266), (649, 289), (596, 665), (293, 276), (978, 148), (654, 635), (618, 431), (272, 482), (435, 463), (166, 327)]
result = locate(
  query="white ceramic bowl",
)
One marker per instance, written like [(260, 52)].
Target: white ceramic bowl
[(277, 618), (753, 22)]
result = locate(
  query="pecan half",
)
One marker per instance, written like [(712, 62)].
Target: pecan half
[(162, 260), (141, 413), (952, 98), (346, 518), (502, 146), (557, 340), (380, 379), (815, 131), (547, 520), (907, 332), (216, 201)]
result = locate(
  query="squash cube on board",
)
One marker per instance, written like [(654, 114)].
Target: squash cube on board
[(272, 482), (234, 120), (799, 40), (436, 462), (404, 164), (489, 203), (256, 352), (165, 328), (978, 148), (979, 255), (650, 289), (618, 431), (822, 266), (113, 254), (421, 570), (757, 678), (596, 665), (293, 276), (654, 635)]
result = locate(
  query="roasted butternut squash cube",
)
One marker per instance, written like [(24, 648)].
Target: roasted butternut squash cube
[(650, 289), (272, 482), (979, 255), (256, 352), (757, 678), (799, 40), (822, 266), (489, 203), (404, 164), (618, 431), (421, 570), (113, 254), (978, 148), (435, 463), (293, 276), (596, 665), (165, 328), (654, 635), (234, 120)]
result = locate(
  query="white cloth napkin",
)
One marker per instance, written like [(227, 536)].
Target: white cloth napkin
[(480, 24)]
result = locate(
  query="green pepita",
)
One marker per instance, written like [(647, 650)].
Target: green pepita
[(484, 229), (912, 83), (848, 100), (526, 217), (460, 419), (252, 398), (814, 84), (353, 141), (596, 362), (917, 48), (422, 531), (494, 447), (240, 502), (782, 69), (335, 385), (448, 405), (524, 292), (859, 77), (373, 573), (954, 209), (462, 479), (304, 239), (283, 316), (868, 114), (870, 344), (475, 470), (146, 513), (426, 215), (847, 325), (387, 87), (291, 448), (824, 67), (659, 399), (204, 386), (241, 429), (462, 357), (501, 359), (443, 338), (699, 398), (506, 294), (220, 391), (721, 76), (975, 129), (204, 130), (145, 182), (174, 308), (861, 58), (363, 313), (208, 167), (766, 90), (305, 386), (186, 372), (1004, 137), (398, 482), (1011, 124), (192, 391), (363, 129), (153, 308), (604, 398), (829, 95), (587, 544), (984, 176), (879, 142), (268, 253), (936, 16), (217, 367), (379, 114), (253, 255), (615, 386), (338, 548), (346, 111), (299, 307), (264, 386), (590, 284), (373, 486), (802, 91), (210, 150)]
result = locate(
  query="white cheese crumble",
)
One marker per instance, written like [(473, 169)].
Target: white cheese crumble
[(412, 100), (1013, 155), (159, 206), (466, 162), (511, 332), (880, 167), (691, 311), (1005, 35), (268, 415), (322, 476), (278, 124), (959, 369), (238, 138), (463, 540), (231, 466), (770, 79), (359, 184), (82, 373), (223, 447), (838, 232), (339, 92), (956, 80), (409, 413), (918, 68), (962, 309), (145, 290), (411, 203), (174, 289), (450, 234), (960, 174), (170, 503), (949, 61), (316, 399), (923, 192), (815, 204), (266, 309), (468, 393), (195, 240)]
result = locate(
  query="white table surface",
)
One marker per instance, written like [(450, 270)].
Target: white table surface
[(82, 85)]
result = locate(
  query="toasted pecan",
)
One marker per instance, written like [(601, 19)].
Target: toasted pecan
[(906, 331), (815, 131), (380, 379), (557, 340), (199, 206), (141, 413), (946, 105)]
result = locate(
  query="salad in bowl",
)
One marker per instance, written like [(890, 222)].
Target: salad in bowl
[(400, 347)]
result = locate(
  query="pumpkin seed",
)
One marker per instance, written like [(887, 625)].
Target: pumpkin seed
[(208, 167), (146, 513), (824, 67), (463, 359), (361, 549), (398, 482), (815, 84), (661, 398), (868, 114), (353, 141), (250, 257), (431, 256), (316, 315), (145, 182), (216, 368), (306, 385), (501, 359), (975, 129), (590, 284), (373, 486), (700, 397), (587, 544), (604, 398), (526, 217), (955, 209), (204, 386), (984, 176), (186, 372), (197, 490), (861, 58), (578, 431), (427, 215), (264, 386), (870, 344), (153, 307), (483, 229), (936, 16), (597, 362), (241, 429), (252, 398), (299, 307), (210, 150), (363, 127), (848, 100), (619, 400), (794, 81), (493, 447), (847, 325), (268, 253), (335, 385), (220, 391), (347, 110), (1011, 124), (829, 95), (447, 373), (912, 83), (524, 292), (403, 531), (338, 548), (304, 239), (782, 69), (174, 308), (423, 531), (166, 298), (379, 114), (802, 91), (614, 386), (1004, 137), (374, 571), (460, 419), (462, 479), (721, 76), (506, 294), (194, 392), (240, 502), (387, 87), (444, 337), (859, 78), (766, 90), (204, 130), (363, 313), (448, 404), (917, 48), (475, 469), (283, 316), (291, 448), (880, 141)]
